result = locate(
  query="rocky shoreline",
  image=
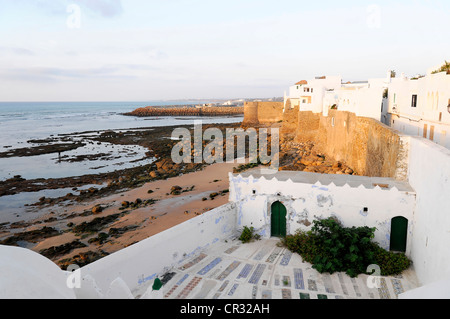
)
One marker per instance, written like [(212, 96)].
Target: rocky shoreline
[(134, 203), (187, 111)]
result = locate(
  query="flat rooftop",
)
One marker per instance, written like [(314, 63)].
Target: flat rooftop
[(326, 179), (264, 270)]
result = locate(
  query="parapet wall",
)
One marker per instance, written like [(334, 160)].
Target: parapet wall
[(142, 262)]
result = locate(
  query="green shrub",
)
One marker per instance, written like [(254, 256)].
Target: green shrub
[(248, 235), (391, 263), (330, 248)]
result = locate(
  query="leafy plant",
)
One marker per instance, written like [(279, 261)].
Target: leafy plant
[(444, 68), (248, 234), (330, 248)]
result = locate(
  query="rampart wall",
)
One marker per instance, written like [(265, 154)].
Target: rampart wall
[(368, 146)]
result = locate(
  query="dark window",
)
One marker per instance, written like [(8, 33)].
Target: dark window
[(414, 101)]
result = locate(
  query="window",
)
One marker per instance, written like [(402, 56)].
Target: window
[(414, 101)]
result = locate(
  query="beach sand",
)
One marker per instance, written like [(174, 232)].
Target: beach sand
[(168, 210)]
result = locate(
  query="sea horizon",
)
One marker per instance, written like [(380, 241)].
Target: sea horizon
[(24, 124)]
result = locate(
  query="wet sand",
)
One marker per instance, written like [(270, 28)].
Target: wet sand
[(137, 223)]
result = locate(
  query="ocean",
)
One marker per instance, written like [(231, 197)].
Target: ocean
[(22, 122)]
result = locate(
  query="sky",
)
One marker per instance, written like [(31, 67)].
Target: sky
[(144, 50)]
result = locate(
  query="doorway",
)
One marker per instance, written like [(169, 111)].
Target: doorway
[(278, 220), (399, 233)]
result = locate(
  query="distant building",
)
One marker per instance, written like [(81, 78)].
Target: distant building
[(308, 95)]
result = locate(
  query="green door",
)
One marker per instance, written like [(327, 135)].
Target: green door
[(399, 232), (278, 220)]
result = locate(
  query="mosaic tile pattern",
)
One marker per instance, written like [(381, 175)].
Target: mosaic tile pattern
[(222, 288), (245, 271), (298, 279), (328, 284), (231, 250), (383, 290), (182, 279), (210, 266), (257, 274), (286, 258), (229, 270), (277, 280), (233, 289), (213, 273), (398, 287), (356, 288), (343, 285), (274, 255), (254, 292), (190, 286), (193, 261), (262, 253), (286, 294), (171, 291), (312, 285), (266, 294)]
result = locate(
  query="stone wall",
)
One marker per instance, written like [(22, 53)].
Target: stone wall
[(368, 146), (263, 112), (308, 126), (290, 121)]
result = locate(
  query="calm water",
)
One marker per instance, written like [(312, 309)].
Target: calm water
[(21, 122)]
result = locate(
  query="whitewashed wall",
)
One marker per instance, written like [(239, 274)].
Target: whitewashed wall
[(306, 201), (433, 97), (147, 259), (429, 175)]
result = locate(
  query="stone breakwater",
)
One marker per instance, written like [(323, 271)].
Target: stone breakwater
[(187, 111)]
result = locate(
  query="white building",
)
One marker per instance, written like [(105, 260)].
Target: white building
[(308, 95), (364, 98), (421, 106), (305, 197)]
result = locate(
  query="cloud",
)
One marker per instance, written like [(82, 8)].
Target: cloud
[(50, 74), (17, 51), (104, 8)]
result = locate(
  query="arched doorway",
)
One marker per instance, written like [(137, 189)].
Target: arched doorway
[(278, 220), (399, 233)]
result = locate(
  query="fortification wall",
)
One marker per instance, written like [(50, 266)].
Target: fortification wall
[(290, 121), (263, 112), (368, 146)]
